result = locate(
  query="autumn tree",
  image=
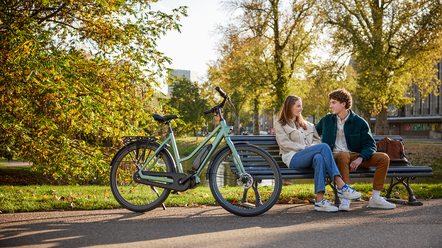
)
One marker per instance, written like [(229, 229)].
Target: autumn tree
[(75, 76), (243, 70), (394, 44), (188, 100), (290, 27), (322, 79)]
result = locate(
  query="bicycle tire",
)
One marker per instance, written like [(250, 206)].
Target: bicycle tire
[(130, 194), (224, 185)]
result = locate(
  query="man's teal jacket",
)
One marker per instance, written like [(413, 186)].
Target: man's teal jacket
[(357, 134)]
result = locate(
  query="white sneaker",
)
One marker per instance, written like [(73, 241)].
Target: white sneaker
[(348, 192), (325, 206), (380, 202), (344, 206)]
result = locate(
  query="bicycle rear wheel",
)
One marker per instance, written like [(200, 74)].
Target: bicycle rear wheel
[(246, 195), (130, 194)]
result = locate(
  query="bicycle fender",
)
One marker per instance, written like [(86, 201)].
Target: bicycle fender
[(218, 154)]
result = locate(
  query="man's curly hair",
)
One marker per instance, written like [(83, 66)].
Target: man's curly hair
[(341, 95)]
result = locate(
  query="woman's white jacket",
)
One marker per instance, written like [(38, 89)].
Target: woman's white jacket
[(292, 140)]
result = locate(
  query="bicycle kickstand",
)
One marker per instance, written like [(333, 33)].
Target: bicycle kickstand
[(162, 204)]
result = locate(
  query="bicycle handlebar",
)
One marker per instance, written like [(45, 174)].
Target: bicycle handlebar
[(221, 105), (208, 111), (221, 92)]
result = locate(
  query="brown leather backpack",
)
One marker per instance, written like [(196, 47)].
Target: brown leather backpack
[(394, 149)]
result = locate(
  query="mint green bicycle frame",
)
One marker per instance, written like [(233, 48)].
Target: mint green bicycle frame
[(222, 131)]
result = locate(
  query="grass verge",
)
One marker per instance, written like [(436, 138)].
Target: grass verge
[(426, 154), (45, 197)]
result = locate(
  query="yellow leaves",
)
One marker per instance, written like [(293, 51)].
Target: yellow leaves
[(196, 205)]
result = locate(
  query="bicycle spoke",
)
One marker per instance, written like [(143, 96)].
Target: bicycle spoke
[(230, 192), (131, 195)]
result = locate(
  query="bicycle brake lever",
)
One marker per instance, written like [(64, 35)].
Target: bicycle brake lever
[(231, 103)]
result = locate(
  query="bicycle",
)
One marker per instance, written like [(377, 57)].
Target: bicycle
[(144, 172)]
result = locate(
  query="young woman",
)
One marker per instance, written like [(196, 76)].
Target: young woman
[(300, 147)]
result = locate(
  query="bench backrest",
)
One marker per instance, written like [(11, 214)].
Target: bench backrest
[(268, 143)]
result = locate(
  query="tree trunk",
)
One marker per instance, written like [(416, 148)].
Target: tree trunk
[(366, 115), (381, 123), (256, 122), (280, 82), (236, 127)]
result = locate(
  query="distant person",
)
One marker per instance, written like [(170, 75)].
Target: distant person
[(300, 147), (349, 137)]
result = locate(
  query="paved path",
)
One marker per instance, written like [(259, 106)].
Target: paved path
[(15, 163), (283, 226)]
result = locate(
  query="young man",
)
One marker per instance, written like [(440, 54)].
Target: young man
[(353, 146)]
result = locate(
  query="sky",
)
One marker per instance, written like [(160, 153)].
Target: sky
[(195, 46)]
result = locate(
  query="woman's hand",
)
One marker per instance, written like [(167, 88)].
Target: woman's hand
[(307, 146)]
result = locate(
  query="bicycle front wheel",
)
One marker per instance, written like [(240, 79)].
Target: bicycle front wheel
[(250, 194), (130, 194)]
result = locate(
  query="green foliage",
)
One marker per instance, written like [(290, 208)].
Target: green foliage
[(323, 79), (394, 45), (74, 78), (187, 99), (242, 72), (279, 37)]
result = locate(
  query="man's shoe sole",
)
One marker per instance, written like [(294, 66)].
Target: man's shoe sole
[(346, 209), (381, 207), (326, 211), (341, 196)]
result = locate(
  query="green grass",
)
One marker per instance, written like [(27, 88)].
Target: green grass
[(39, 198), (426, 154), (3, 163)]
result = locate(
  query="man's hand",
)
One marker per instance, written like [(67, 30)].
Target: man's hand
[(307, 146), (355, 164)]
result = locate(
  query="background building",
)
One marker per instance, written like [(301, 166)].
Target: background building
[(422, 119), (191, 75)]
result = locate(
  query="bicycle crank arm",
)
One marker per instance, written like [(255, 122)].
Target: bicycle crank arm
[(176, 185)]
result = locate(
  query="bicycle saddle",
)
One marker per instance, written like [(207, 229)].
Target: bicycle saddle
[(163, 118)]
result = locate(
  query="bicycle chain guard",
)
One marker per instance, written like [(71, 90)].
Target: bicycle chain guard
[(176, 185)]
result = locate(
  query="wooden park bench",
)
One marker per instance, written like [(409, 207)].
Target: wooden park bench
[(398, 174)]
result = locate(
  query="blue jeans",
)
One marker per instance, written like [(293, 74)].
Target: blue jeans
[(320, 158)]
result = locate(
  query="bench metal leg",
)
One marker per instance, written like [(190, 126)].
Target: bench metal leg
[(258, 201), (411, 199), (332, 184)]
